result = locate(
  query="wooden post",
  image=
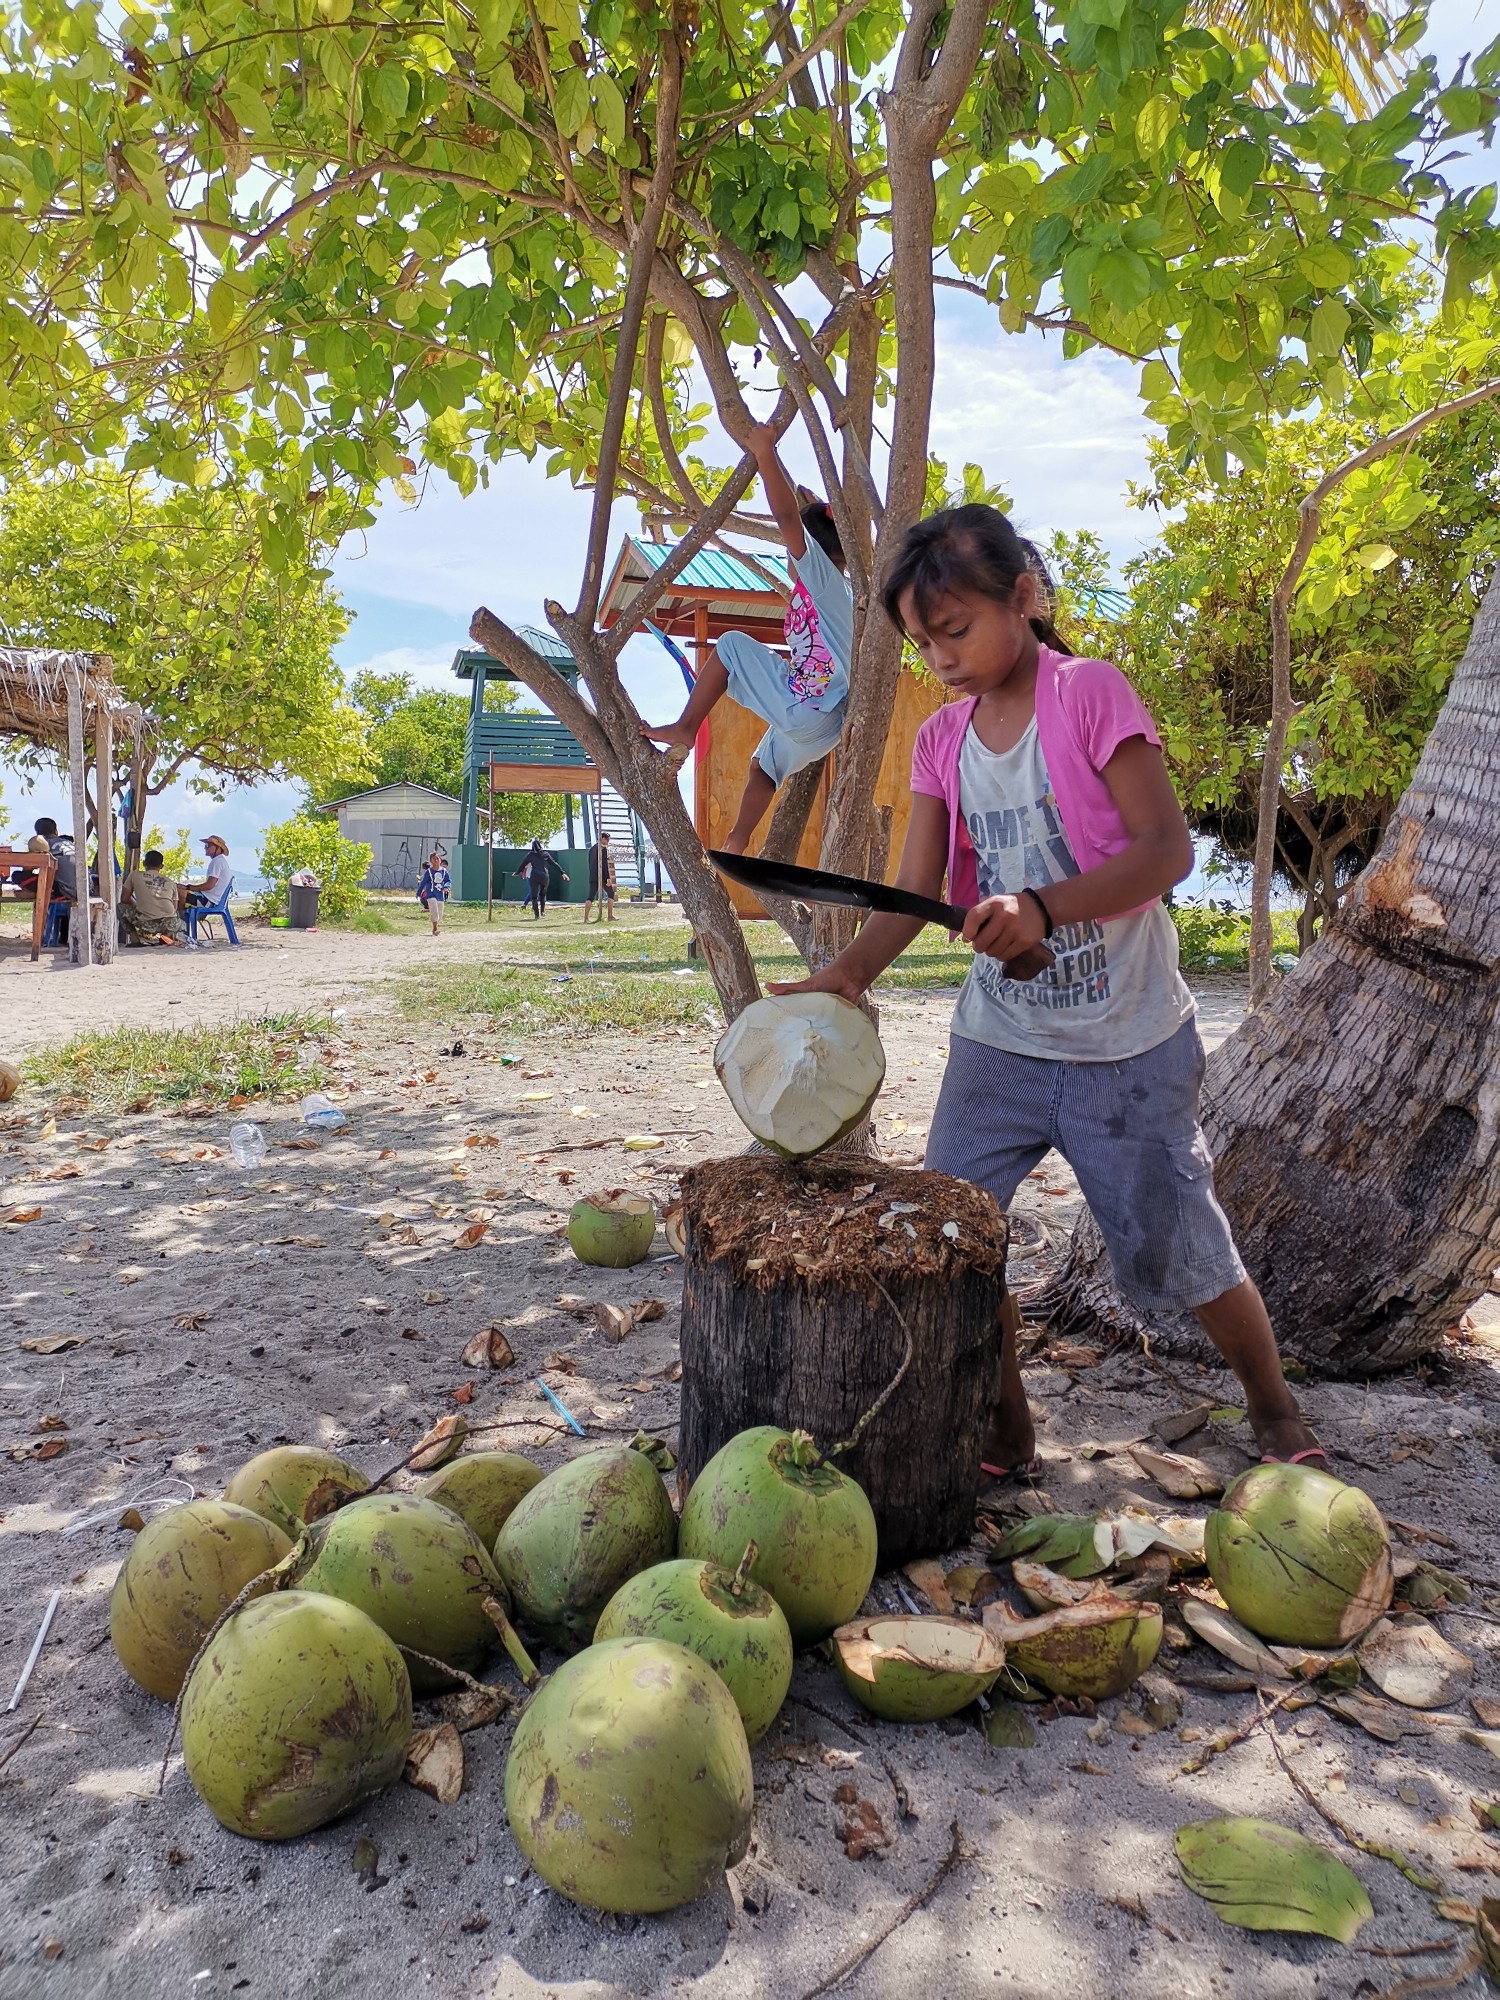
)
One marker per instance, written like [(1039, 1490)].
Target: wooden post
[(136, 819), (701, 746), (104, 819), (805, 1287), (80, 944)]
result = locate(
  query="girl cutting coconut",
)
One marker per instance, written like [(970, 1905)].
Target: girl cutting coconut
[(1040, 792)]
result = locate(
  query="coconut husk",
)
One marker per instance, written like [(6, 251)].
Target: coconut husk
[(1413, 1663)]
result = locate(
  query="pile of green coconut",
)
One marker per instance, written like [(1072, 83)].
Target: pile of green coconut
[(294, 1622)]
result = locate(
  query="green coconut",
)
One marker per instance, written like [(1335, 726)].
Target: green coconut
[(295, 1483), (483, 1488), (721, 1616), (415, 1568), (300, 1708), (612, 1229), (185, 1567), (1095, 1649), (628, 1785), (1298, 1556), (917, 1669), (811, 1524), (574, 1539), (801, 1070)]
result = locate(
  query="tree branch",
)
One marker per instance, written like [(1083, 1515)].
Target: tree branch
[(628, 340)]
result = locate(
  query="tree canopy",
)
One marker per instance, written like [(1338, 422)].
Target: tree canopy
[(231, 656), (335, 244), (416, 735)]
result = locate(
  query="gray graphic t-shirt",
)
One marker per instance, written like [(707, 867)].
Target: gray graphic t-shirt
[(1114, 989)]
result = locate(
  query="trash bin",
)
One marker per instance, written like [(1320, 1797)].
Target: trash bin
[(302, 906)]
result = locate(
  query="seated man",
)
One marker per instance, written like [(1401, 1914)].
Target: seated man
[(217, 874), (151, 904), (65, 881)]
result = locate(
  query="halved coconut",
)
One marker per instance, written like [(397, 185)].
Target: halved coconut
[(1095, 1649), (917, 1669), (614, 1230), (801, 1070)]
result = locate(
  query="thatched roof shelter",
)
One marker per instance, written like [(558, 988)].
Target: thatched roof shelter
[(65, 702)]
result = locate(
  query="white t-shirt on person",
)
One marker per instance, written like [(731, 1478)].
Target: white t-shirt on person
[(217, 877), (1114, 989)]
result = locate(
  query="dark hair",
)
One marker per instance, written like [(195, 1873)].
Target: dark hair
[(971, 548), (817, 519), (154, 859), (47, 828)]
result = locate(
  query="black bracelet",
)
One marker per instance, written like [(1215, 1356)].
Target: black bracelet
[(1035, 896)]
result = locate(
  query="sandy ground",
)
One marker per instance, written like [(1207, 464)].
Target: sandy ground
[(327, 1298)]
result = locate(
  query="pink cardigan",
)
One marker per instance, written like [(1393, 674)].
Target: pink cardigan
[(1085, 709)]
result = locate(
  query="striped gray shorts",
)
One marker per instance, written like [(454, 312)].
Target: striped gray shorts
[(1130, 1132)]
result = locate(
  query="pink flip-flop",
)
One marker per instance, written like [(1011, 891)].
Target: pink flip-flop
[(1297, 1457), (1024, 1475)]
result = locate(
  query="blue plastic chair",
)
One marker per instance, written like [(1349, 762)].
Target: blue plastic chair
[(205, 913)]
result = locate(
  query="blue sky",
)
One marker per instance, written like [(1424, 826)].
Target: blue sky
[(1064, 438)]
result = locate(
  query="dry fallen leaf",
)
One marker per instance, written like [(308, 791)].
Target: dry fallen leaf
[(193, 1322), (464, 1393), (52, 1423), (59, 1343), (489, 1348), (441, 1443), (481, 1139), (858, 1825), (435, 1763), (467, 1238), (928, 1576), (560, 1364), (69, 1170)]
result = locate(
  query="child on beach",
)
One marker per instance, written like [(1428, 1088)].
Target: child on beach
[(1042, 795), (801, 696), (432, 890)]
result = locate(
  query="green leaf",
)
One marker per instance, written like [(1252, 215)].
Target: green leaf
[(1375, 556), (573, 102), (1156, 122), (495, 19), (388, 90), (1240, 166), (609, 108), (1265, 1877), (1326, 329)]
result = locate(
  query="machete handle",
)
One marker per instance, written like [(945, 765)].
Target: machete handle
[(1036, 958)]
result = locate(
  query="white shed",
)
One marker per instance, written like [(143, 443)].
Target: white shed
[(401, 824)]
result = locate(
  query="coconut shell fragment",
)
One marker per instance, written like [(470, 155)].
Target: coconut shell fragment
[(1413, 1663), (917, 1669), (1095, 1649)]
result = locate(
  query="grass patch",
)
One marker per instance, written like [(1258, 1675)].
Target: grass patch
[(557, 976), (172, 1066)]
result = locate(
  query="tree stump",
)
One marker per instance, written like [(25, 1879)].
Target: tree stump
[(798, 1281)]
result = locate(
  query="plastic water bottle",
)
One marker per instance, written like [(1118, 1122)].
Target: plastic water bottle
[(248, 1145), (321, 1114)]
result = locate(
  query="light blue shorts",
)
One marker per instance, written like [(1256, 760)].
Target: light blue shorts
[(1130, 1132), (800, 732)]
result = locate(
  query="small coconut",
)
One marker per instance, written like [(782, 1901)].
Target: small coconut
[(801, 1070), (415, 1568), (1300, 1557), (628, 1785), (812, 1525), (483, 1488), (299, 1709), (10, 1081), (183, 1569), (294, 1484), (722, 1617), (1095, 1649), (917, 1669), (611, 1229), (575, 1538)]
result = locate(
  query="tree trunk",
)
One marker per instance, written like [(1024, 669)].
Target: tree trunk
[(1355, 1118), (805, 1299)]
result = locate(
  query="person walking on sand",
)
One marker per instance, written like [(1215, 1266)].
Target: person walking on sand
[(601, 879), (801, 694), (432, 890), (1041, 793)]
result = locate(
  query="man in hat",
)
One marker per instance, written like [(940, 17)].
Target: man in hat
[(215, 884)]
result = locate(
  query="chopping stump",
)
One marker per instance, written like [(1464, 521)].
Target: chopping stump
[(798, 1280)]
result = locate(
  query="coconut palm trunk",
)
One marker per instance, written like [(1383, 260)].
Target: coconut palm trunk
[(1355, 1118)]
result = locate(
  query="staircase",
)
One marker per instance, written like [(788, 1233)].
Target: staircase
[(627, 840)]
